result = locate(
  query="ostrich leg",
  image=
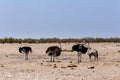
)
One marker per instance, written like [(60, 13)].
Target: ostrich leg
[(79, 57), (90, 57), (96, 57), (26, 56), (79, 60), (51, 59)]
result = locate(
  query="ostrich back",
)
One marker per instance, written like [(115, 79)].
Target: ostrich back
[(53, 50), (80, 48), (25, 49)]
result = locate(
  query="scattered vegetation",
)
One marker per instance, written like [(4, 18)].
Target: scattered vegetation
[(55, 40)]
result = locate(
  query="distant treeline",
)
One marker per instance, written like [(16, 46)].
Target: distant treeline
[(56, 40)]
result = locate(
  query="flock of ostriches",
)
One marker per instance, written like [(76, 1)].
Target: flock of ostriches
[(55, 51)]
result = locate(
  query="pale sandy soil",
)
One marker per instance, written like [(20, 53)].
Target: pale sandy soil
[(14, 67)]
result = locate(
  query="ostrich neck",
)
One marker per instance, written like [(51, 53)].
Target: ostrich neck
[(60, 46)]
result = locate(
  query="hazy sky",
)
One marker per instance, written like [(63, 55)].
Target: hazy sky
[(59, 18)]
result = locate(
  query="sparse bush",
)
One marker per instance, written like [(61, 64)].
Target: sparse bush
[(56, 40)]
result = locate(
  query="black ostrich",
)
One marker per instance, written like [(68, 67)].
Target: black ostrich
[(25, 50), (81, 49), (54, 51)]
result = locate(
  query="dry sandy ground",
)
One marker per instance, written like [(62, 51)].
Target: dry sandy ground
[(14, 67)]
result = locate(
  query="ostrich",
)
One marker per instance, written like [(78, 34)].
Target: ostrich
[(54, 51), (25, 50), (81, 49), (93, 52)]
